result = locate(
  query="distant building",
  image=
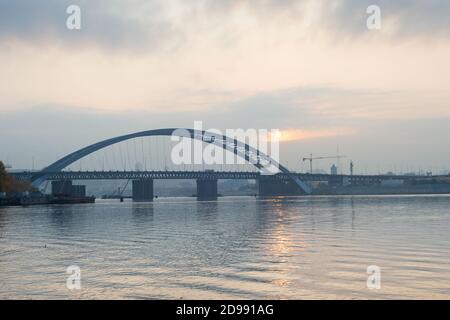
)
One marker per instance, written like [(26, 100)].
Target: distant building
[(333, 170)]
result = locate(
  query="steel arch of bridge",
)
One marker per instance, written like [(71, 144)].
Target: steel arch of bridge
[(238, 148)]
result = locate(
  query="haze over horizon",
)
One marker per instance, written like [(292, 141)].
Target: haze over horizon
[(310, 68)]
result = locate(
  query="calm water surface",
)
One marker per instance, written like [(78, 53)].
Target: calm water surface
[(281, 248)]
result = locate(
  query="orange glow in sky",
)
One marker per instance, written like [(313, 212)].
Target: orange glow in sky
[(297, 134)]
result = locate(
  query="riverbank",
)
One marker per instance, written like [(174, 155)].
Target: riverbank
[(424, 189), (44, 200)]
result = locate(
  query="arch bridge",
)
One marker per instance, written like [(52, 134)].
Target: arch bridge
[(206, 181)]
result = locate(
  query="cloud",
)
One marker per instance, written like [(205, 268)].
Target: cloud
[(403, 18), (289, 135), (105, 23), (168, 25), (301, 112), (308, 67), (48, 133)]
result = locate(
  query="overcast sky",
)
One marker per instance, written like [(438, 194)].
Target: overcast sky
[(308, 67)]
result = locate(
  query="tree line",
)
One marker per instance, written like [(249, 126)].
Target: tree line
[(9, 184)]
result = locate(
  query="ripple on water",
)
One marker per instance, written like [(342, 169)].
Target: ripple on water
[(315, 247)]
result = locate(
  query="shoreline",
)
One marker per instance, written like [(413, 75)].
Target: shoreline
[(90, 200), (25, 202)]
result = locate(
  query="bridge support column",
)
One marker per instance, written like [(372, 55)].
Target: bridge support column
[(269, 186), (206, 189), (68, 189), (62, 187), (142, 190)]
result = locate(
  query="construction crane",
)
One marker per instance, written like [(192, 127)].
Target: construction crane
[(311, 159)]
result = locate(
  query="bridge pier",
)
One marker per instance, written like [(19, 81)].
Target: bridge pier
[(63, 187), (270, 186), (207, 189), (142, 190), (67, 188)]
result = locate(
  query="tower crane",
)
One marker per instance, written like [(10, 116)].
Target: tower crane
[(311, 159)]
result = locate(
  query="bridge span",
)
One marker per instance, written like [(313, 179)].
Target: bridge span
[(207, 181), (140, 175), (253, 156), (206, 175), (270, 182), (142, 181)]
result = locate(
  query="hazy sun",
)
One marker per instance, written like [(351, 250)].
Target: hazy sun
[(297, 134)]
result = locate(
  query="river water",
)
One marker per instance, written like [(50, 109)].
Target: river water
[(237, 248)]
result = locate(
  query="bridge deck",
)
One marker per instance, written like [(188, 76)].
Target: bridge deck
[(137, 175)]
